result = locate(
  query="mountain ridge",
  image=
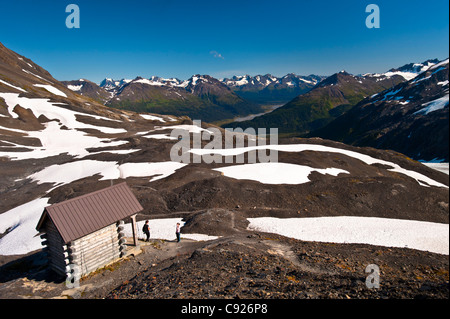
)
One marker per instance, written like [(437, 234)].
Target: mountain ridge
[(411, 117)]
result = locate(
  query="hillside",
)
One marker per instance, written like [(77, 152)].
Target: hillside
[(411, 118), (56, 145)]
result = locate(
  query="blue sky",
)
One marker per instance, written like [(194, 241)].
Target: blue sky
[(171, 38)]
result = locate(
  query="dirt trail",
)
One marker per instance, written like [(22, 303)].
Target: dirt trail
[(286, 252)]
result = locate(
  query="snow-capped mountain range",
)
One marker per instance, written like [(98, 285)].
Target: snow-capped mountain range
[(244, 85), (263, 81), (258, 81)]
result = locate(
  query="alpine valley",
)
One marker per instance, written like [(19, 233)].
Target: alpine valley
[(304, 227)]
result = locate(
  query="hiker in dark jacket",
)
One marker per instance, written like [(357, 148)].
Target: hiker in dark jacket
[(146, 230)]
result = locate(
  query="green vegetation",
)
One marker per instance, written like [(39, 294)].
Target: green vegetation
[(313, 110), (207, 107)]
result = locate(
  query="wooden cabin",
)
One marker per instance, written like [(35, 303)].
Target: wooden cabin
[(87, 231)]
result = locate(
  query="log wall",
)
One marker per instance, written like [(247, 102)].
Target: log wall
[(56, 249), (95, 250)]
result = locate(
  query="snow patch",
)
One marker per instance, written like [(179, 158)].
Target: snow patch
[(164, 229), (161, 137), (75, 88), (51, 89), (13, 86), (21, 222), (68, 172), (146, 81), (158, 169), (275, 173), (434, 105), (186, 127), (152, 117), (29, 72)]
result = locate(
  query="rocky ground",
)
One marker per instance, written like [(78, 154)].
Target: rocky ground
[(240, 264)]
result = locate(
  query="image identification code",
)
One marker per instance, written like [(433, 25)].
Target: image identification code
[(231, 308)]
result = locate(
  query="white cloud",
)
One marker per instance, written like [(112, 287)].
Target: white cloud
[(216, 54)]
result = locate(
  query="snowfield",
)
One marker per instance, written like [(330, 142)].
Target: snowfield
[(54, 141), (75, 88), (54, 111), (426, 236), (55, 136), (70, 172)]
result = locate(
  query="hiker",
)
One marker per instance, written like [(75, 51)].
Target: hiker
[(177, 232), (146, 230)]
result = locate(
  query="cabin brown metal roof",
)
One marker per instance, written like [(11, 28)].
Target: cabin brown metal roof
[(80, 216)]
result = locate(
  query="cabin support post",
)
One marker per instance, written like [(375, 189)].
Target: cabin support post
[(134, 228)]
